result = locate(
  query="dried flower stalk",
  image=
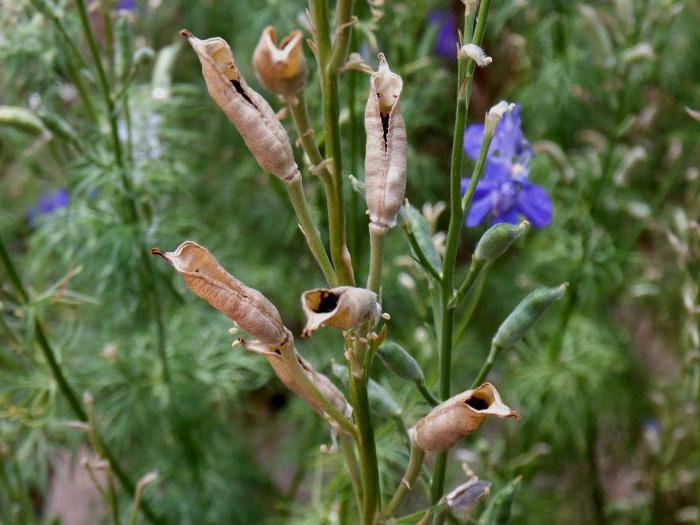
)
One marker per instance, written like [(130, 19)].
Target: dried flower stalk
[(385, 158), (255, 120), (458, 416)]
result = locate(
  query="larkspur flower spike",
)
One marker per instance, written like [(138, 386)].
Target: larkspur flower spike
[(255, 120), (458, 416), (386, 152)]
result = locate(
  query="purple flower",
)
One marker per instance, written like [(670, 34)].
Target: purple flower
[(504, 191), (446, 38), (126, 5), (48, 204)]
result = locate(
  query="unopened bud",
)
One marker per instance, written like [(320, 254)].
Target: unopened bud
[(387, 150), (280, 67), (343, 307), (458, 416), (526, 314), (467, 495), (255, 120), (144, 56), (250, 309), (497, 239), (475, 53), (400, 362)]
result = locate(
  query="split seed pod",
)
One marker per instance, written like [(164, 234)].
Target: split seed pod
[(246, 306), (343, 307), (468, 494), (290, 367), (255, 120), (458, 416), (280, 68), (385, 158)]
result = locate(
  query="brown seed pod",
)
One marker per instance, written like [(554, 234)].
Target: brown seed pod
[(385, 157), (289, 367), (255, 120), (459, 416), (246, 306), (280, 67), (343, 307)]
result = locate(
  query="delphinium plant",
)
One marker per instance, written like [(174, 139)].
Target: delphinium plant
[(498, 187)]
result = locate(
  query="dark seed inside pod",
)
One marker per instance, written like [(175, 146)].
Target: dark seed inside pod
[(328, 303), (477, 403)]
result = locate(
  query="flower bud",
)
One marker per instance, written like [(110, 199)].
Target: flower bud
[(343, 307), (246, 306), (280, 68), (255, 120), (467, 495), (144, 56), (459, 416), (526, 314), (399, 361), (498, 510), (497, 239), (386, 153)]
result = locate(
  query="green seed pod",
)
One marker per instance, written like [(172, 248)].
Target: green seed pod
[(526, 314), (21, 118), (498, 510), (497, 239), (415, 223), (399, 361), (125, 45), (60, 128), (381, 402)]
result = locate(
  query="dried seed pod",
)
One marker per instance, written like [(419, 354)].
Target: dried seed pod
[(280, 68), (459, 416), (343, 307), (385, 158), (255, 120), (289, 367), (246, 306)]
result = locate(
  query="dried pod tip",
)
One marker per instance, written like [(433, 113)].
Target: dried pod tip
[(343, 307), (387, 85), (486, 400), (280, 67)]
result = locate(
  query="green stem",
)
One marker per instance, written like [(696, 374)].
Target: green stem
[(353, 470), (465, 73), (422, 258), (487, 366), (430, 398), (466, 286), (295, 190), (65, 387), (331, 113), (406, 484), (376, 256), (469, 309), (343, 28)]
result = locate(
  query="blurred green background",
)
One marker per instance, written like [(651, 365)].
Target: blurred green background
[(607, 384)]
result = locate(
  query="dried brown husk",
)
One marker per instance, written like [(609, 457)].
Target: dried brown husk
[(280, 67), (255, 120), (387, 149), (289, 365), (458, 416), (253, 312), (342, 307)]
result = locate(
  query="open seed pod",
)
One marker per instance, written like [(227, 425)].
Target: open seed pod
[(343, 307), (386, 153), (280, 67), (458, 416), (255, 120), (253, 312), (291, 368)]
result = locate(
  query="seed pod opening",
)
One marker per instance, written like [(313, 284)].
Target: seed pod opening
[(255, 120), (458, 416), (386, 152), (246, 306), (280, 67), (343, 307), (467, 495)]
